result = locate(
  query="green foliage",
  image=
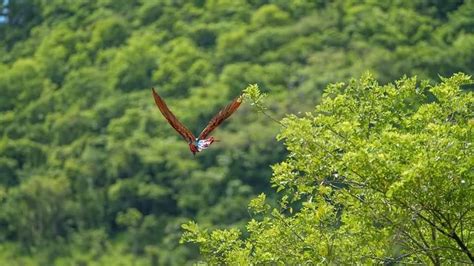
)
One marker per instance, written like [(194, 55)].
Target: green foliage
[(269, 15), (38, 209), (108, 33), (132, 65), (378, 173), (182, 67), (24, 73), (84, 151)]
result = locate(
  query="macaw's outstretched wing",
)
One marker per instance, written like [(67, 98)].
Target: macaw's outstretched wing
[(174, 122), (221, 116)]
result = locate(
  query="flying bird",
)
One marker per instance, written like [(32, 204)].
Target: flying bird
[(202, 142)]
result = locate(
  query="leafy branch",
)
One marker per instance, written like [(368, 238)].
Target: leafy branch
[(256, 97)]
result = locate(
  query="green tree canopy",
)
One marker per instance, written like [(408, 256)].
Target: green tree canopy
[(375, 174), (84, 149)]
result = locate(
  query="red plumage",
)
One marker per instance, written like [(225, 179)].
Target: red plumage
[(202, 142), (220, 117), (172, 120)]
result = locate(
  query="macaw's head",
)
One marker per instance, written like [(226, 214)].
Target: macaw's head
[(201, 144)]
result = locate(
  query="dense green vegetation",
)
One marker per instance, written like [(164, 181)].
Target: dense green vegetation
[(376, 174), (90, 173)]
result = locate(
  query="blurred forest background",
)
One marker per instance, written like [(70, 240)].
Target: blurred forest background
[(91, 173)]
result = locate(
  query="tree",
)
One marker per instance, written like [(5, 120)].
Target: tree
[(376, 174), (79, 132), (39, 209)]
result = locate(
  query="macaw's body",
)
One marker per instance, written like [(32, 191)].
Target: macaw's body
[(203, 141)]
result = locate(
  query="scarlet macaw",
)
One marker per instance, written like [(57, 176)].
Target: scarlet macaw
[(202, 142)]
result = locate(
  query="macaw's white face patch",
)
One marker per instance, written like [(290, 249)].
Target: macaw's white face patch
[(203, 144)]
